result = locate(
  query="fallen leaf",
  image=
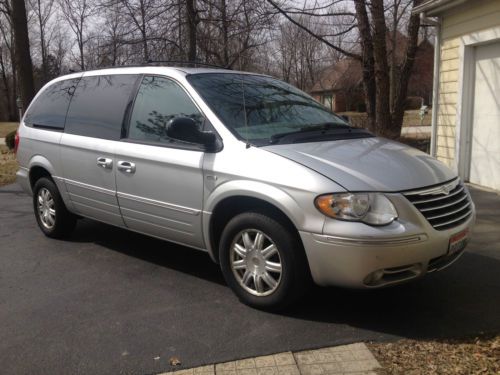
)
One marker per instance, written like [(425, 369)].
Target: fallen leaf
[(174, 361)]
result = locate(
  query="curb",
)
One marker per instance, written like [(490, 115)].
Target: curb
[(353, 359)]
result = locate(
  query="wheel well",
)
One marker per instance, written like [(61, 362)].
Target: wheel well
[(232, 206), (36, 173)]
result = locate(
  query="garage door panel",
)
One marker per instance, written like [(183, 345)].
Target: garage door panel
[(485, 148)]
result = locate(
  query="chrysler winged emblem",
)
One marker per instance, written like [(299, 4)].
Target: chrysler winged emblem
[(446, 189)]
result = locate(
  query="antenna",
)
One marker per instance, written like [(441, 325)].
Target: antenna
[(244, 104)]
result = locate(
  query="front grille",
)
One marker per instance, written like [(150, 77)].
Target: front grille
[(444, 206)]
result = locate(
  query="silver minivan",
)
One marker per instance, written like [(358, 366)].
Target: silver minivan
[(276, 188)]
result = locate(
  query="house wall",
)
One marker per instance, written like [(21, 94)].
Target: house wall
[(474, 16)]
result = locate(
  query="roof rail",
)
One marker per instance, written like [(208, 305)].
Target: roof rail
[(193, 64)]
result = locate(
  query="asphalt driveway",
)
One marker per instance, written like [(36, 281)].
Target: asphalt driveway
[(111, 301)]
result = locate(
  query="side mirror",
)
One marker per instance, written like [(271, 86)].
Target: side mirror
[(185, 129), (345, 118)]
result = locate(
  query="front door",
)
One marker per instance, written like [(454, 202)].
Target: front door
[(485, 152), (160, 180)]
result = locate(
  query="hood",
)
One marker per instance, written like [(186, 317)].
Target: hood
[(368, 164)]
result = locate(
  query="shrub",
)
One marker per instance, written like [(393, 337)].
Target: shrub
[(10, 140)]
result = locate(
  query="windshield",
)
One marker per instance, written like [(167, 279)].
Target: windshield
[(262, 109)]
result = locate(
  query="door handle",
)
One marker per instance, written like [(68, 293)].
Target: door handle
[(105, 163), (126, 166)]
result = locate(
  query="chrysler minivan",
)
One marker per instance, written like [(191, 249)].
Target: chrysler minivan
[(275, 187)]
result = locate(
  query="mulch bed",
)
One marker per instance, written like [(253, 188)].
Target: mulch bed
[(411, 357)]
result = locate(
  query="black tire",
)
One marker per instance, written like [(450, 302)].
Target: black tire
[(63, 221), (295, 276)]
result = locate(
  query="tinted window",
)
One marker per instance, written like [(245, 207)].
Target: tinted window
[(49, 109), (98, 106), (158, 101), (258, 107)]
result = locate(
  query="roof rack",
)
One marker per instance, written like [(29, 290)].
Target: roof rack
[(192, 64)]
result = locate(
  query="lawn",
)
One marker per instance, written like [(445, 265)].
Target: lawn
[(411, 118), (8, 166), (7, 127)]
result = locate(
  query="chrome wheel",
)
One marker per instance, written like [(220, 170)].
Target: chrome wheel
[(46, 208), (256, 262)]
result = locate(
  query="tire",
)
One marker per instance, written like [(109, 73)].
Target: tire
[(51, 214), (247, 243)]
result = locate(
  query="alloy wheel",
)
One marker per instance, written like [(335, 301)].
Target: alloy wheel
[(46, 208), (256, 262)]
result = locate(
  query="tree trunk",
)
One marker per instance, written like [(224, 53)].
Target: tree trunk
[(367, 62), (402, 87), (392, 91), (192, 23), (22, 52), (383, 114), (6, 89), (42, 41), (144, 32), (225, 32)]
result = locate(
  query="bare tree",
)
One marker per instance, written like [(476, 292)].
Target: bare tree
[(76, 13), (22, 52), (7, 65), (372, 30), (192, 28), (43, 10)]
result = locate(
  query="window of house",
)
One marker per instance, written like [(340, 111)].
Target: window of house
[(328, 101)]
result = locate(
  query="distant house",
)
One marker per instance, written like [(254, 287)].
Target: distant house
[(466, 125), (340, 86)]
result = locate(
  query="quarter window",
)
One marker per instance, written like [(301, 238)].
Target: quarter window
[(50, 107), (99, 104), (158, 101)]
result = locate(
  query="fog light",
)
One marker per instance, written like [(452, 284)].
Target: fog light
[(374, 277)]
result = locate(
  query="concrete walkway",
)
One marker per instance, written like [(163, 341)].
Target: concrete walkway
[(354, 359)]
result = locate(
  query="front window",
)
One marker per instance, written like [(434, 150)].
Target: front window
[(264, 110), (159, 101)]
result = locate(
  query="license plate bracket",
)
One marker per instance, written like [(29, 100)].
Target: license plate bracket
[(458, 242)]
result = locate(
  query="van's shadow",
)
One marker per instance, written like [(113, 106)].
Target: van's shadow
[(461, 301)]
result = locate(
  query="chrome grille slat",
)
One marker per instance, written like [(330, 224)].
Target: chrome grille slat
[(453, 221), (444, 206), (449, 213), (439, 198)]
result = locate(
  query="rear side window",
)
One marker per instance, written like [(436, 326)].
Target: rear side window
[(158, 101), (50, 107), (99, 104)]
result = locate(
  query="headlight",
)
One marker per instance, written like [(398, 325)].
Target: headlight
[(370, 208)]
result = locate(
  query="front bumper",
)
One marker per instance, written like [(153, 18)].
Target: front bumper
[(360, 256)]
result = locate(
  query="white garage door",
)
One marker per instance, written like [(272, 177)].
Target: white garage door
[(485, 153)]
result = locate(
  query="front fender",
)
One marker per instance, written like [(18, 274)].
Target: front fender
[(299, 208)]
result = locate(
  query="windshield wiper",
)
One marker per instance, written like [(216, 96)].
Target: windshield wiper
[(322, 128)]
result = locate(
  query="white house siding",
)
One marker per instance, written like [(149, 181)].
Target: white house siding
[(473, 16)]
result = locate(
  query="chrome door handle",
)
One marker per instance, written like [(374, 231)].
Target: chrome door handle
[(126, 166), (105, 162)]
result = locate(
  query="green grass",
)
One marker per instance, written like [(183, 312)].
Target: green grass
[(7, 127), (8, 166)]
